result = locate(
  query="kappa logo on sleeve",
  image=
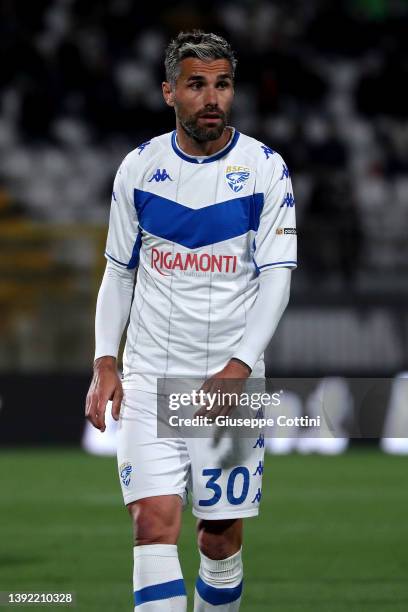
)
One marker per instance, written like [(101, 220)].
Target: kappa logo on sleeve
[(125, 471), (236, 177), (288, 201), (285, 172), (268, 151), (142, 146)]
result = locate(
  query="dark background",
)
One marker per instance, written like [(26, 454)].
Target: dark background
[(324, 83)]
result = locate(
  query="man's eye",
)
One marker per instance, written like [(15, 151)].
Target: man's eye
[(223, 84), (195, 85)]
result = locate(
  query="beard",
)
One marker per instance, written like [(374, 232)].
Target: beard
[(199, 133)]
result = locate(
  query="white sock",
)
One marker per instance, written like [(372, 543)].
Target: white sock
[(219, 584), (158, 583)]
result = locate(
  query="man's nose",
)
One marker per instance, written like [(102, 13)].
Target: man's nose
[(211, 97)]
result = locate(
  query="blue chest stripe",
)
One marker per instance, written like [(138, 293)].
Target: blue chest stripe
[(197, 228)]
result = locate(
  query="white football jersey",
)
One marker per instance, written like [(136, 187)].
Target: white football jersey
[(200, 230)]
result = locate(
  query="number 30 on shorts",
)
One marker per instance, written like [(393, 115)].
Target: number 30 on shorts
[(214, 474)]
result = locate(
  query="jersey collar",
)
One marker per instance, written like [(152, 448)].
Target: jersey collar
[(210, 158)]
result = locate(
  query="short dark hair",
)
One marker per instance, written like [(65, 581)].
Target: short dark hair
[(205, 46)]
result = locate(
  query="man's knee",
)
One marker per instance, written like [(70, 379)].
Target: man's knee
[(156, 520), (219, 539)]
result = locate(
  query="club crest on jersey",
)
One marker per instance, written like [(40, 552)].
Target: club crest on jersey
[(236, 177), (125, 471)]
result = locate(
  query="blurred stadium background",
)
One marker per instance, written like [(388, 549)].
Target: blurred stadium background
[(322, 82)]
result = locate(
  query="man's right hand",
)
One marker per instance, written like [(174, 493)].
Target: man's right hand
[(106, 385)]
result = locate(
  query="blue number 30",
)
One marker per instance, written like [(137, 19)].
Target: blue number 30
[(214, 474)]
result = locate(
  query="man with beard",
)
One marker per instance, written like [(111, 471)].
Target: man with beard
[(206, 214)]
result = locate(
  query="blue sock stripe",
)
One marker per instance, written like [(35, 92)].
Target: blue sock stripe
[(165, 590), (215, 596)]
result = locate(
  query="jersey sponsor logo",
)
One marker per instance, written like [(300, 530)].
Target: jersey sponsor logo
[(160, 176), (288, 201), (236, 177), (166, 261), (286, 230), (125, 471)]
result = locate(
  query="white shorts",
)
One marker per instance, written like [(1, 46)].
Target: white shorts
[(224, 481)]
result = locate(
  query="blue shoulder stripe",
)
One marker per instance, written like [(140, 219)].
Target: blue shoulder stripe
[(134, 259), (197, 228)]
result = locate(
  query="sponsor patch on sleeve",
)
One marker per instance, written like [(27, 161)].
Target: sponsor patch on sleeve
[(286, 230)]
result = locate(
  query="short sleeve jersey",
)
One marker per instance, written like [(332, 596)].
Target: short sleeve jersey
[(200, 231)]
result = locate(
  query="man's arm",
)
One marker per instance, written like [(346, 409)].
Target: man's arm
[(112, 312), (264, 316), (274, 257), (262, 321)]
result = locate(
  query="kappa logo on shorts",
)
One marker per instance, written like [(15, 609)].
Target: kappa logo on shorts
[(236, 177), (258, 496), (125, 471)]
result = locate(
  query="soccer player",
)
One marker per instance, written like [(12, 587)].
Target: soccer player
[(206, 216)]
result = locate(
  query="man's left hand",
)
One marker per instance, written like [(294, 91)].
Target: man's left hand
[(230, 380)]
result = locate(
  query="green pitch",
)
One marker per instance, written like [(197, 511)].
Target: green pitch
[(332, 535)]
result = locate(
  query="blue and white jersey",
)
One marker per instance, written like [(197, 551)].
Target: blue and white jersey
[(200, 230)]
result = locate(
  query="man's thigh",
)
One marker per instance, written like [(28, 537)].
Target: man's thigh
[(148, 466), (156, 520)]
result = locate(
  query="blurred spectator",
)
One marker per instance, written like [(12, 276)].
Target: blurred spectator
[(320, 82), (332, 229)]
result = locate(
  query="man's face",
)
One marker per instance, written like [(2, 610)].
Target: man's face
[(202, 97)]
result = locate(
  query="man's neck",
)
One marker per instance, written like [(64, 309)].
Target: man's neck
[(192, 147)]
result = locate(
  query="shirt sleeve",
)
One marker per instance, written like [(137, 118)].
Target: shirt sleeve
[(265, 314), (275, 244), (112, 309), (124, 236)]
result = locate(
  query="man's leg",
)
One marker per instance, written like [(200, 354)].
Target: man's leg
[(153, 474), (219, 582), (227, 481), (157, 579)]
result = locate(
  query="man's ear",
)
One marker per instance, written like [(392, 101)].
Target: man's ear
[(168, 94)]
